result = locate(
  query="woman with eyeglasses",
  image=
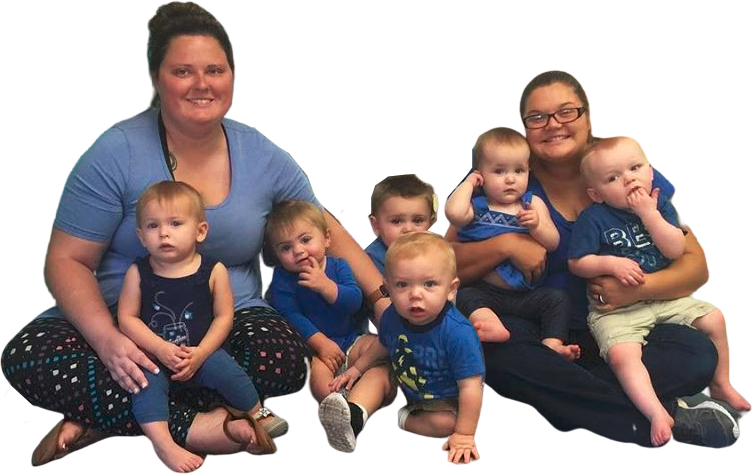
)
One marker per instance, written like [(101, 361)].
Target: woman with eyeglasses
[(557, 120)]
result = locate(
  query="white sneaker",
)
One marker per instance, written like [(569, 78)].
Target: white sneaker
[(334, 414)]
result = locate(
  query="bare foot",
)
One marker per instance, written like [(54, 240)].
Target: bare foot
[(177, 458), (488, 326), (661, 428), (71, 431), (568, 351), (727, 393)]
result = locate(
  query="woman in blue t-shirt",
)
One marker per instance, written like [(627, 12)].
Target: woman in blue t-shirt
[(554, 109), (81, 365)]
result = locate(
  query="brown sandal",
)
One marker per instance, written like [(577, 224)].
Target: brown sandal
[(47, 449), (264, 443)]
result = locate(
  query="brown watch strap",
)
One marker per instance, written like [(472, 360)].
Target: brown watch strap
[(377, 295)]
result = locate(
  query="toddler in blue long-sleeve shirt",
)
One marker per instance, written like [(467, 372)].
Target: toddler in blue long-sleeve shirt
[(320, 298)]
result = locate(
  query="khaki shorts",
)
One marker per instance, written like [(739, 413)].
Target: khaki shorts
[(633, 323), (442, 404), (346, 365)]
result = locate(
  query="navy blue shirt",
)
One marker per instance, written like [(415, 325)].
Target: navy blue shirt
[(558, 273), (429, 360), (179, 310), (605, 230)]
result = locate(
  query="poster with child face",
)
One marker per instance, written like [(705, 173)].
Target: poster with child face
[(720, 199), (722, 161), (720, 242), (723, 117)]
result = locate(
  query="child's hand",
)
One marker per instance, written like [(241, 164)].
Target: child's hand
[(528, 217), (171, 355), (329, 352), (461, 448), (190, 364), (627, 271), (347, 379), (642, 203), (475, 179), (313, 277)]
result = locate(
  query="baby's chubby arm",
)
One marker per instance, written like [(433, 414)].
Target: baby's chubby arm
[(222, 292), (462, 444), (669, 239), (458, 208), (537, 219), (589, 266)]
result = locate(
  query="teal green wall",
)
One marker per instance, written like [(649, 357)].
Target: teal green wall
[(687, 141), (61, 89)]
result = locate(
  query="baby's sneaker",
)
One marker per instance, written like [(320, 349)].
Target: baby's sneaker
[(342, 421)]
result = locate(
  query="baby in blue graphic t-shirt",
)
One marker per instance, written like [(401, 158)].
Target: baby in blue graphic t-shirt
[(629, 231), (435, 352)]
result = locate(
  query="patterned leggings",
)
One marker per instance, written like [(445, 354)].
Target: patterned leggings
[(52, 366)]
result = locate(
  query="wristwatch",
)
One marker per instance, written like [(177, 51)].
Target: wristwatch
[(377, 295)]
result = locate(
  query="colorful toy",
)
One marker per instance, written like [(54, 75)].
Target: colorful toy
[(316, 88)]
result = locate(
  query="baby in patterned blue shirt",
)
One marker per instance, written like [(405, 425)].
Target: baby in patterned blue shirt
[(494, 200)]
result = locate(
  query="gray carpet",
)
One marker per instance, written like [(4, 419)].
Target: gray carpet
[(544, 438), (385, 454)]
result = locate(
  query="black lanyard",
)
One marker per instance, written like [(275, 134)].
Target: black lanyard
[(171, 164)]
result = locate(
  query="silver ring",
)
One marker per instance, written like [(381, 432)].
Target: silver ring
[(601, 299)]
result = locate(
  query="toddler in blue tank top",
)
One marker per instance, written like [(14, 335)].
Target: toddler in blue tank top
[(500, 172), (177, 306)]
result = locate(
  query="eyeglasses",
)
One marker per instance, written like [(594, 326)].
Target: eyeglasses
[(566, 115)]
